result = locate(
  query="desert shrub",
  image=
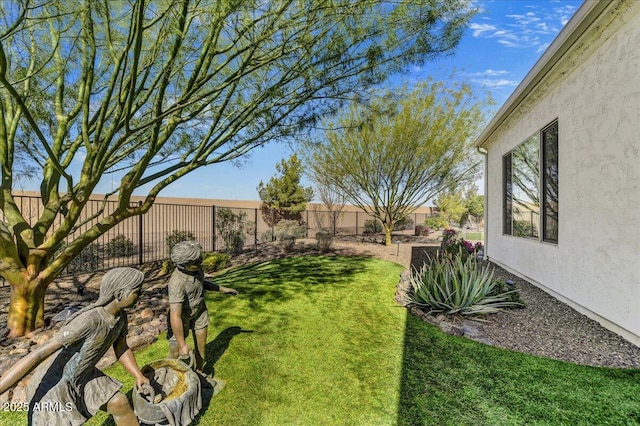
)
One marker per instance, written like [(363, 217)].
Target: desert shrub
[(289, 228), (450, 285), (436, 222), (287, 231), (213, 262), (372, 226), (324, 239), (88, 260), (287, 243), (422, 231), (177, 236), (403, 224), (501, 287), (120, 245), (230, 228), (267, 236), (233, 241)]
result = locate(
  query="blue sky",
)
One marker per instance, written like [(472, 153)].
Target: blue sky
[(502, 44)]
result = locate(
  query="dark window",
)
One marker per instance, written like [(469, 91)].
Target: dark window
[(507, 204), (530, 187), (550, 183)]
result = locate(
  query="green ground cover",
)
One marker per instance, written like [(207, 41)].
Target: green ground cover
[(474, 236), (319, 341)]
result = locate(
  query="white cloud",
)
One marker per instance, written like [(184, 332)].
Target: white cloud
[(491, 78), (543, 47), (564, 13), (479, 29), (531, 29), (497, 83), (489, 73)]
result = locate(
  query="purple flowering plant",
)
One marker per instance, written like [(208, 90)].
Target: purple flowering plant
[(453, 244)]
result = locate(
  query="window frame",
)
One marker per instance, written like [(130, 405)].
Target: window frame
[(548, 160)]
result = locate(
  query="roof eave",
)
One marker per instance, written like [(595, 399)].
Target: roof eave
[(572, 31)]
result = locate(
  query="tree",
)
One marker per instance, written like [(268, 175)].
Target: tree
[(474, 205), (451, 206), (153, 90), (391, 155), (331, 197), (283, 197)]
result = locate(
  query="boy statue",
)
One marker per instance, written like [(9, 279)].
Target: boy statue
[(187, 309), (68, 389)]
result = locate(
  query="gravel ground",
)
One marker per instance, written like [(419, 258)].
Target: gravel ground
[(551, 329)]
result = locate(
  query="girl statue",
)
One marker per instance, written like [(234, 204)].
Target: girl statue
[(67, 388)]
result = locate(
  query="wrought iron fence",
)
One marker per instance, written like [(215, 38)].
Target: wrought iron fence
[(148, 238)]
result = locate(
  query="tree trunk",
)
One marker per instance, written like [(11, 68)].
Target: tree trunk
[(388, 229), (26, 307)]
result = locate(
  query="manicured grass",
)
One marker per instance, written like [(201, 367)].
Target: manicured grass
[(450, 380), (474, 236), (309, 341), (319, 341)]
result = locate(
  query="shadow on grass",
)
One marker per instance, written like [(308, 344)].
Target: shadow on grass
[(217, 347), (214, 351), (269, 282)]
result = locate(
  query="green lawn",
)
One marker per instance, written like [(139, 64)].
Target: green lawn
[(473, 236), (320, 341)]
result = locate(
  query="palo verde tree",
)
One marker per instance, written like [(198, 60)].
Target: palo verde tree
[(332, 198), (153, 90), (401, 149), (283, 197)]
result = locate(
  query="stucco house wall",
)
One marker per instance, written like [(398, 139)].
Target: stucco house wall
[(589, 80)]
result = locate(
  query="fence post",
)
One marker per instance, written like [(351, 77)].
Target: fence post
[(140, 239), (356, 224), (255, 228), (213, 228), (333, 222), (273, 235), (307, 223)]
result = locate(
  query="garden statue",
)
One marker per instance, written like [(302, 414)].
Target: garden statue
[(67, 388), (187, 309)]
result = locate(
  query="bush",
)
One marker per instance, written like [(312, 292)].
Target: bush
[(372, 226), (455, 246), (453, 286), (230, 227), (324, 240), (403, 224), (213, 262), (177, 236), (286, 233), (436, 222), (233, 241), (289, 228), (267, 236), (120, 245), (88, 260), (422, 231)]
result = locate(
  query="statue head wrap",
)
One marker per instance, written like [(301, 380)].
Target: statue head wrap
[(185, 252), (115, 280)]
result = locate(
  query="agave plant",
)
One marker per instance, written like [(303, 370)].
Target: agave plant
[(453, 286)]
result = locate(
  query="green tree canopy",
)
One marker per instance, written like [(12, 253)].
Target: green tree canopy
[(451, 206), (474, 205), (389, 156), (283, 197), (154, 90)]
